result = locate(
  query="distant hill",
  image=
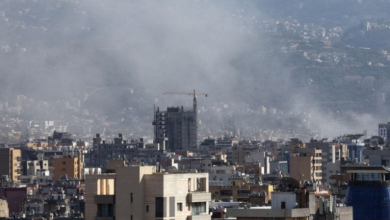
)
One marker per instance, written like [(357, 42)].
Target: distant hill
[(329, 12)]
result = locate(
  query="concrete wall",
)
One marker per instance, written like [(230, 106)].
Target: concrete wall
[(68, 166), (345, 213), (4, 211), (93, 188), (130, 197), (175, 188), (302, 213), (289, 198)]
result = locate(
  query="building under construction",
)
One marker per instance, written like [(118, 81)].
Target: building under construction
[(175, 128)]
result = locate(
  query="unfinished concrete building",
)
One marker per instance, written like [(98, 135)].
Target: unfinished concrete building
[(175, 128)]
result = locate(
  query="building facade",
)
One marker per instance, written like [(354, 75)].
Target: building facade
[(140, 192), (10, 163), (175, 128), (70, 166), (306, 164), (384, 131), (368, 191)]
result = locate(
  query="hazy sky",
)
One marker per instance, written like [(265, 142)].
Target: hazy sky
[(121, 50)]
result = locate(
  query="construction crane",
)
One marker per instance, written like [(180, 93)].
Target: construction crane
[(188, 93)]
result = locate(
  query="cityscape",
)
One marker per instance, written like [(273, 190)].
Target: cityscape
[(194, 110)]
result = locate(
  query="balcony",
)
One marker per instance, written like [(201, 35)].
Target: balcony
[(198, 197), (199, 217), (104, 199), (104, 218)]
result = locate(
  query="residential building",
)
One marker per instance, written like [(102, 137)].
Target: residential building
[(377, 157), (279, 166), (306, 164), (68, 165), (240, 191), (104, 151), (226, 142), (139, 192), (31, 167), (332, 154), (10, 163), (355, 147)]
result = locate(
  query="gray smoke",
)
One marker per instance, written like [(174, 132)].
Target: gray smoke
[(121, 54)]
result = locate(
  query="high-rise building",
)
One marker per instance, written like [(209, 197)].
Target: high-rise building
[(10, 163), (139, 192), (175, 128)]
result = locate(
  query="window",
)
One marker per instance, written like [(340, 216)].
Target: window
[(179, 206), (64, 162), (159, 207), (226, 192), (131, 217), (147, 208), (63, 169), (198, 208), (105, 210)]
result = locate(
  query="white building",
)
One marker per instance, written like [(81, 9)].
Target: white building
[(139, 192)]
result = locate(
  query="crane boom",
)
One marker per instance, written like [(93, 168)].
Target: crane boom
[(188, 93)]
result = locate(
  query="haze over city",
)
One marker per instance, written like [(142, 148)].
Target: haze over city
[(113, 56), (194, 110)]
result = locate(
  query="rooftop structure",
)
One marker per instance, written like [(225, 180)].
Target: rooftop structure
[(368, 191)]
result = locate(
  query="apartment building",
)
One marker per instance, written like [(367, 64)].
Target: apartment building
[(139, 192), (10, 163), (306, 164), (68, 165)]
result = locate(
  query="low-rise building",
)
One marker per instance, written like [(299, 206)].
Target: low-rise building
[(68, 165), (139, 192)]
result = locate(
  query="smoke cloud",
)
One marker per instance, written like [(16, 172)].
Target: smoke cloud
[(126, 54)]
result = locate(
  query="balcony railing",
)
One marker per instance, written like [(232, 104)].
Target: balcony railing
[(199, 217), (104, 199), (198, 197)]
